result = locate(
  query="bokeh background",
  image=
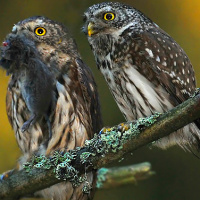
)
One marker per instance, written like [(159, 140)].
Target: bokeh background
[(177, 172)]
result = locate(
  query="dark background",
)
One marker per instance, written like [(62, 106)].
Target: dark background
[(177, 172)]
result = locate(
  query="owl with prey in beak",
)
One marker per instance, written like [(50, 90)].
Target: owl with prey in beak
[(52, 100)]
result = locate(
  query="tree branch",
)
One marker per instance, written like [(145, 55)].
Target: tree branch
[(118, 176), (102, 149)]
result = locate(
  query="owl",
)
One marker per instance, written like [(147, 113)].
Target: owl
[(52, 100), (145, 69)]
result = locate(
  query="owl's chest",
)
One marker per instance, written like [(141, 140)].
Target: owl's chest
[(135, 95)]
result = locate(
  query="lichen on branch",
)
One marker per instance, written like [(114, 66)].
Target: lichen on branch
[(108, 140)]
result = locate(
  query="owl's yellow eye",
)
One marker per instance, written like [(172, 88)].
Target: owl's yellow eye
[(109, 16), (40, 31)]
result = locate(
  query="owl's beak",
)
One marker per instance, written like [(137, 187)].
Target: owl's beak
[(91, 30)]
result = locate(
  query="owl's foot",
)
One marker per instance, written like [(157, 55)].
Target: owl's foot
[(29, 122), (7, 174), (121, 128), (104, 130), (25, 126)]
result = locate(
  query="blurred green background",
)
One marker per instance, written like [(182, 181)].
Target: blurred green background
[(177, 172)]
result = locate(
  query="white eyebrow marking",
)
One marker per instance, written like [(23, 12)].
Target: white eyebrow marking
[(107, 9), (39, 21), (14, 29)]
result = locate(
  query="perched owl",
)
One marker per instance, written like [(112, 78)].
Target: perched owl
[(146, 70), (51, 90)]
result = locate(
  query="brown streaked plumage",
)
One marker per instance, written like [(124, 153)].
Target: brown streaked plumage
[(74, 111), (146, 70)]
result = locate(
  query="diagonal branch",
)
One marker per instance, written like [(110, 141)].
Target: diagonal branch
[(102, 149)]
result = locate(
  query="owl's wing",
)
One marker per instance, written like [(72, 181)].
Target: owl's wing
[(89, 89), (164, 61)]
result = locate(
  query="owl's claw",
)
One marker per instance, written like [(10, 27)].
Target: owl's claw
[(104, 130), (28, 123), (25, 126), (5, 175), (123, 127)]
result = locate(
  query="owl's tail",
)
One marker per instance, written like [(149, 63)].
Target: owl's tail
[(187, 137)]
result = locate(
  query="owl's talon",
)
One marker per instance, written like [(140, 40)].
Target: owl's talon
[(2, 177), (25, 126), (100, 132), (28, 123), (5, 175), (123, 127), (104, 130)]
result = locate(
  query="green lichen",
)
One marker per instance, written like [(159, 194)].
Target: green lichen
[(61, 164), (87, 187), (101, 177), (84, 156), (108, 140), (112, 139)]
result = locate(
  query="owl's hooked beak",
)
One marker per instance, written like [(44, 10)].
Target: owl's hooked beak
[(91, 30)]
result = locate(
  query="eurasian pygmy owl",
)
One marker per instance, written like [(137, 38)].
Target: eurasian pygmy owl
[(146, 70), (52, 100)]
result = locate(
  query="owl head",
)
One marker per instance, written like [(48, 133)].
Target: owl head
[(41, 30), (36, 35), (109, 17)]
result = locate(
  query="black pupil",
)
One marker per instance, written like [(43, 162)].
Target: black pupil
[(109, 16), (40, 31)]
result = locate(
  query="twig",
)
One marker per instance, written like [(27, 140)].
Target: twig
[(118, 176)]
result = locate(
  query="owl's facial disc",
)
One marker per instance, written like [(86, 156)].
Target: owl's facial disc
[(111, 19), (40, 30)]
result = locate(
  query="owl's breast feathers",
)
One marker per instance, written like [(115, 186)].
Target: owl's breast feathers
[(154, 56)]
